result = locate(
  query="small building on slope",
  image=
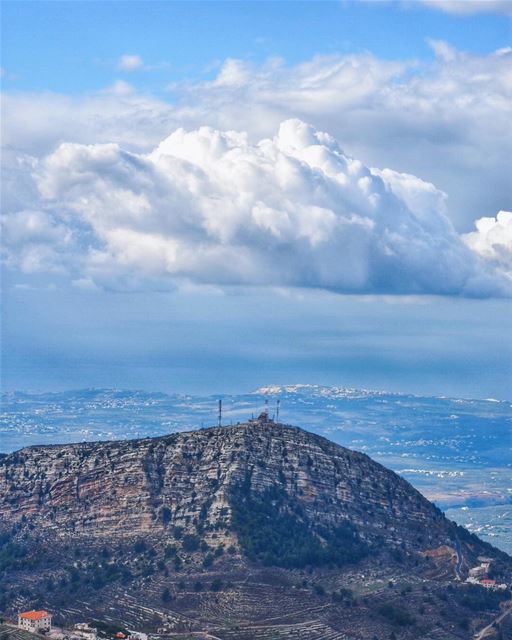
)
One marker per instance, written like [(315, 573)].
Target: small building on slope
[(35, 621)]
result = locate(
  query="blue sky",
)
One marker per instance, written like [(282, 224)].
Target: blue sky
[(209, 261), (73, 47)]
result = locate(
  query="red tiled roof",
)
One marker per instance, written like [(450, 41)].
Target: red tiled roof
[(34, 615)]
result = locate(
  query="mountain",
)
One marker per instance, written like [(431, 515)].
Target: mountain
[(450, 449), (258, 530)]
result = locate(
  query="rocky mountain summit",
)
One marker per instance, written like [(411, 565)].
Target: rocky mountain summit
[(258, 530)]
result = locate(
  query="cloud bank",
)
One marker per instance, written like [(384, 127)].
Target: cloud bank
[(446, 120), (211, 207)]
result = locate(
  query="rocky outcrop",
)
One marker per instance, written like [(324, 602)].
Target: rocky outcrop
[(144, 487)]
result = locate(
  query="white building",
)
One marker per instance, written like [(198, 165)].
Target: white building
[(35, 621), (479, 572), (84, 630)]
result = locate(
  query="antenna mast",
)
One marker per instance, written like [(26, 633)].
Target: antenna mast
[(266, 409), (220, 413), (277, 410)]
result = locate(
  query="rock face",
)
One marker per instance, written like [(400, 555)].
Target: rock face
[(135, 488), (218, 506)]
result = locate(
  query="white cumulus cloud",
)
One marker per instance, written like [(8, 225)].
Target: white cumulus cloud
[(212, 207), (446, 120), (493, 240)]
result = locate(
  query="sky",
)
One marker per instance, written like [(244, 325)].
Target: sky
[(208, 197)]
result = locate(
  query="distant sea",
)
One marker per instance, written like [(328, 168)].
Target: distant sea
[(455, 451)]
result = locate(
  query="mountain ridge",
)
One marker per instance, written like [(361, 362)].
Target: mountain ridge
[(252, 428)]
